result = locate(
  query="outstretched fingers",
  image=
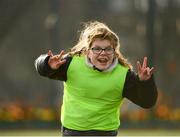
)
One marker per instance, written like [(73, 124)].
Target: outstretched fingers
[(144, 65), (55, 61), (144, 72), (61, 54), (60, 57)]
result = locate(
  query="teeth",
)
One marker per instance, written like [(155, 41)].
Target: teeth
[(102, 60)]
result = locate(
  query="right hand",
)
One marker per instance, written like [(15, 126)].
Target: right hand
[(55, 61)]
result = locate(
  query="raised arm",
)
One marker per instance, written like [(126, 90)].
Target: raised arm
[(53, 66), (141, 88)]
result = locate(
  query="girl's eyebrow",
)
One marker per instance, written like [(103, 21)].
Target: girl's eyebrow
[(100, 46)]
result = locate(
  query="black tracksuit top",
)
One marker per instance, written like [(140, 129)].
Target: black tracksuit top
[(142, 93)]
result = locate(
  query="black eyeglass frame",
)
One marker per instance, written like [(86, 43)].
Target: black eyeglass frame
[(98, 50)]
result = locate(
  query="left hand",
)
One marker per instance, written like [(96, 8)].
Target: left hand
[(144, 72)]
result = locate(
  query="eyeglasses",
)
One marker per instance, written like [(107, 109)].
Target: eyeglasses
[(98, 50)]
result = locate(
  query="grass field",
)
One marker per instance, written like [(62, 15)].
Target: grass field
[(121, 132)]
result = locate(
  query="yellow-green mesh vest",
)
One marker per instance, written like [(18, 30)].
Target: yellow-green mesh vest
[(91, 98)]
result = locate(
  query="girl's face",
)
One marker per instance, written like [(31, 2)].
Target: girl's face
[(101, 54)]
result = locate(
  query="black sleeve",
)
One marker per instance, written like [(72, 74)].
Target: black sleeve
[(42, 67), (142, 93)]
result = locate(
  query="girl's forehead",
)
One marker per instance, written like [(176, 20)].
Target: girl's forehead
[(101, 43), (101, 40)]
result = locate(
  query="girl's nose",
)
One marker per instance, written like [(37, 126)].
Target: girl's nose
[(103, 52)]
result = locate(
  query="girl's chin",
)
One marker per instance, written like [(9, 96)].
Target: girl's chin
[(104, 67)]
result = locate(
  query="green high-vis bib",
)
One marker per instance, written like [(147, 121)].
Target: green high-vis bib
[(92, 99)]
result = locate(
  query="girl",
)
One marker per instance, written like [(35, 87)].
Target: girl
[(96, 78)]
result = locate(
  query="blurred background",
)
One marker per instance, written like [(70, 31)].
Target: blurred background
[(29, 28)]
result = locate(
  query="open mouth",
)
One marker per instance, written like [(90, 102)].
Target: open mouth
[(102, 60)]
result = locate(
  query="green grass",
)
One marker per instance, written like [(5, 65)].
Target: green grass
[(122, 132)]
